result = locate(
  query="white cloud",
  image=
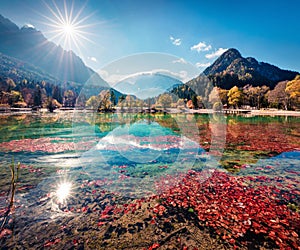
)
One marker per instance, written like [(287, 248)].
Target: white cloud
[(201, 46), (94, 59), (175, 41), (180, 60), (217, 53), (202, 65), (29, 25)]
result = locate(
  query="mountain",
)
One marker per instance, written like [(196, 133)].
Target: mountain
[(30, 45), (232, 69), (18, 70), (223, 62), (147, 85)]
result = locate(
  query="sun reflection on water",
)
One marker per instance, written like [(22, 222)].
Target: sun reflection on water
[(63, 191)]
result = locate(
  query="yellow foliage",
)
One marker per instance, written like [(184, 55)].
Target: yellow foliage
[(234, 96), (293, 88)]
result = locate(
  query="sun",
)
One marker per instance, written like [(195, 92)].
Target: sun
[(68, 27)]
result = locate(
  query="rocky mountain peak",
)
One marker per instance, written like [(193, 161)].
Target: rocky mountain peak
[(232, 69), (223, 61)]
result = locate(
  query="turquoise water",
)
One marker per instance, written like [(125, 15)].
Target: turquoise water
[(133, 151), (97, 143), (66, 158)]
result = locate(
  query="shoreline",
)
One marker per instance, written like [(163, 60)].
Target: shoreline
[(241, 112), (253, 112), (276, 112)]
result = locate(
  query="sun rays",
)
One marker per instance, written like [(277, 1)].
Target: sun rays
[(69, 27)]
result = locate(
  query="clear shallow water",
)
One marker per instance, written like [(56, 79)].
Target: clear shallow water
[(128, 154), (147, 146)]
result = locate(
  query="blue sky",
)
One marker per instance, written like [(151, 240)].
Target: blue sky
[(196, 31)]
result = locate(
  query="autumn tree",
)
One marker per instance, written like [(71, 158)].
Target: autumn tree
[(69, 98), (180, 103), (255, 96), (105, 103), (50, 105), (140, 104), (293, 91), (101, 102), (189, 104), (278, 97), (213, 95), (262, 96), (129, 101), (249, 95), (14, 97), (27, 96), (121, 101), (165, 100), (234, 96), (223, 95), (92, 102), (200, 102)]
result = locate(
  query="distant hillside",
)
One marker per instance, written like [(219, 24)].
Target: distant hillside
[(18, 70), (232, 69), (147, 85), (25, 85), (29, 45)]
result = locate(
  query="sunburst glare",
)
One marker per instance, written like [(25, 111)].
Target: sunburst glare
[(67, 27), (63, 191)]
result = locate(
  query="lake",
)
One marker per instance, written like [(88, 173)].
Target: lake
[(145, 181)]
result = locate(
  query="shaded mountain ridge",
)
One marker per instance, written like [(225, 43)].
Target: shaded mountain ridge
[(231, 69), (18, 70), (30, 45)]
